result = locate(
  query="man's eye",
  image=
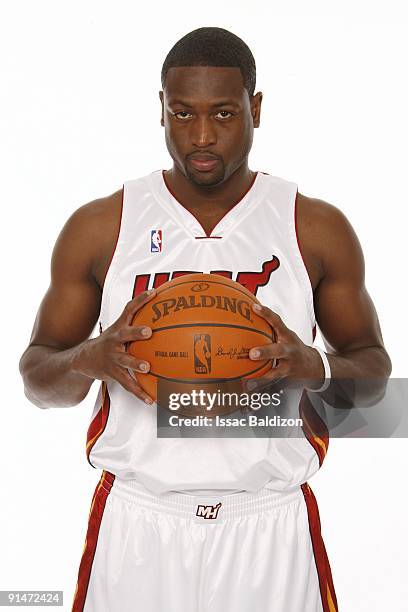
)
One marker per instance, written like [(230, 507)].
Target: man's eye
[(224, 114), (182, 115)]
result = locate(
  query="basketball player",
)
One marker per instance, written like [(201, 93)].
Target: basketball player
[(202, 525)]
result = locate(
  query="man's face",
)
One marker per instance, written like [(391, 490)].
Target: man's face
[(209, 121)]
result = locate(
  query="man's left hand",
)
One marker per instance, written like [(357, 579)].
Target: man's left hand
[(295, 359)]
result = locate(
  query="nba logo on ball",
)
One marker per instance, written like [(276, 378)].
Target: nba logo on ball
[(155, 241), (202, 353)]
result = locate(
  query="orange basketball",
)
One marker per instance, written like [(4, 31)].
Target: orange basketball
[(203, 328)]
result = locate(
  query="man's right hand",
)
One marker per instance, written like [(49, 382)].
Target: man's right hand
[(105, 357), (62, 361)]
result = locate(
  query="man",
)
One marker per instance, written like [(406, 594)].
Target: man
[(202, 524)]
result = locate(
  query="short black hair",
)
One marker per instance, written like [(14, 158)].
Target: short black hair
[(212, 47)]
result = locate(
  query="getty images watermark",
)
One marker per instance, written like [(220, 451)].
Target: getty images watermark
[(209, 401), (200, 408), (348, 408)]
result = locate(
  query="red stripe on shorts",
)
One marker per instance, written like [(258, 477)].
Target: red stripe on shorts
[(327, 591), (99, 498)]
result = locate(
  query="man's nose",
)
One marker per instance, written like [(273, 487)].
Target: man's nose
[(203, 132)]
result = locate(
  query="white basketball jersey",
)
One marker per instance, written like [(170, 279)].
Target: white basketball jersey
[(255, 244)]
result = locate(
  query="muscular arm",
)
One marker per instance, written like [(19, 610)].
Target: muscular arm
[(67, 314), (344, 310), (61, 361)]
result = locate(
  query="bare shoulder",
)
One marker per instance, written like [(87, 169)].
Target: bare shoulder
[(89, 236), (312, 211), (98, 214), (327, 237)]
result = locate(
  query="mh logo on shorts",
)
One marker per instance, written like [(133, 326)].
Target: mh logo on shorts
[(208, 512), (156, 241)]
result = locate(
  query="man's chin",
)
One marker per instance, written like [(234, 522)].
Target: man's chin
[(205, 179)]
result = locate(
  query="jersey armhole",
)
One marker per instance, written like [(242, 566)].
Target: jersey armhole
[(111, 269), (303, 274)]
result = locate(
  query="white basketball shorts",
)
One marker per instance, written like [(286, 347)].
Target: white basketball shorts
[(175, 552)]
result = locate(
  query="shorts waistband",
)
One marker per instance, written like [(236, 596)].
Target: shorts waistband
[(201, 507)]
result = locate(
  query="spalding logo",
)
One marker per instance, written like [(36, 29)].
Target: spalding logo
[(165, 307), (200, 287)]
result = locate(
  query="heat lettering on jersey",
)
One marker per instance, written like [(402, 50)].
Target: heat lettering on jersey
[(250, 280)]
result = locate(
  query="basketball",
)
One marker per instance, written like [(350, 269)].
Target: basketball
[(203, 328)]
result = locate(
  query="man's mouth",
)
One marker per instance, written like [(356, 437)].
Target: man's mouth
[(203, 162)]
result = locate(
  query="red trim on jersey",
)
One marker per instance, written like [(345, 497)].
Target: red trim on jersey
[(327, 592), (98, 423), (204, 237), (301, 254), (297, 231), (117, 237), (314, 427), (94, 522), (196, 218)]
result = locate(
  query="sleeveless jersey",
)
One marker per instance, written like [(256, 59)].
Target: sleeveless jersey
[(255, 243)]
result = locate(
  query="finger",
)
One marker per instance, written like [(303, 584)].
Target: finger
[(129, 362), (129, 333), (273, 377), (272, 350), (272, 317), (134, 305), (130, 384)]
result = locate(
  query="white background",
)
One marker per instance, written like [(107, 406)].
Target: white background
[(80, 114)]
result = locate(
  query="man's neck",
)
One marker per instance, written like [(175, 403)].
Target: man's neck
[(212, 201)]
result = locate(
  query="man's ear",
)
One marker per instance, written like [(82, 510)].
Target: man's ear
[(161, 96), (256, 102)]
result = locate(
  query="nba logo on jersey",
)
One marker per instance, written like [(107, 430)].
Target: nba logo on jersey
[(155, 241)]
